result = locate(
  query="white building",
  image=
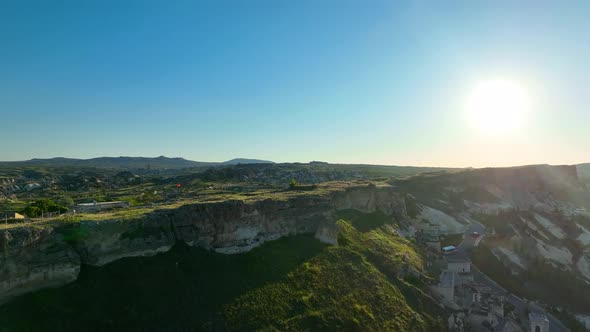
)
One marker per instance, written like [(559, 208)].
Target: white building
[(584, 320), (100, 206), (539, 323), (459, 265)]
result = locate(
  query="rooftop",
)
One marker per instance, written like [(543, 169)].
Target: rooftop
[(101, 203), (457, 259), (537, 316)]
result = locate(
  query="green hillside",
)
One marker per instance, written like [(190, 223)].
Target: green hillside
[(294, 283)]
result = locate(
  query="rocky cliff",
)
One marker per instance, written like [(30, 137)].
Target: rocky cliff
[(489, 190), (32, 258)]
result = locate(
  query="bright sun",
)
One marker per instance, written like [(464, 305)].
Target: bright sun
[(497, 106)]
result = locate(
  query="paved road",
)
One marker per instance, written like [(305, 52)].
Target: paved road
[(468, 243)]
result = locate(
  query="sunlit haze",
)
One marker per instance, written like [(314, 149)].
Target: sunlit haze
[(436, 83), (497, 107)]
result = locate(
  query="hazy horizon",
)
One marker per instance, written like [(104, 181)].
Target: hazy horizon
[(454, 84), (297, 161)]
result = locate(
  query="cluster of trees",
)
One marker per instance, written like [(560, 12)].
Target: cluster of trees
[(294, 185), (148, 197), (41, 206), (143, 198)]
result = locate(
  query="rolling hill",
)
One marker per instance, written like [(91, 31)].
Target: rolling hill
[(238, 161), (160, 162)]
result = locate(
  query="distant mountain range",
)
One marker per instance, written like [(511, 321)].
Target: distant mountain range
[(129, 162), (163, 162), (238, 161)]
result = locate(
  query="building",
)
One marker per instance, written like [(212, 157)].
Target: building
[(459, 265), (429, 229), (584, 320), (12, 216), (467, 296), (496, 305), (424, 230), (100, 206), (539, 322)]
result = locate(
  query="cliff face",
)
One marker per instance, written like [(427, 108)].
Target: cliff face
[(533, 178), (235, 226), (32, 258), (370, 199), (98, 243), (542, 187)]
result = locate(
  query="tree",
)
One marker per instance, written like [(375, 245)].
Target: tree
[(32, 211), (292, 184), (148, 197), (65, 200), (44, 205)]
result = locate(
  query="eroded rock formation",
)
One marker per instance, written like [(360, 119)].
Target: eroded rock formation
[(32, 258)]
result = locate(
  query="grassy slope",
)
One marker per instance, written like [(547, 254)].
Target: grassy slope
[(350, 287), (295, 283)]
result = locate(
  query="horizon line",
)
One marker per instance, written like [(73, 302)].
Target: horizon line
[(304, 162)]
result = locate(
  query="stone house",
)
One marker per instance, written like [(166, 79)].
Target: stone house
[(100, 206)]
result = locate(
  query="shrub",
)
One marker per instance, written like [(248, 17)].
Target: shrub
[(43, 206), (32, 211)]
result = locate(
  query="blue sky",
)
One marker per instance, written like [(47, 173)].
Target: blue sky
[(380, 82)]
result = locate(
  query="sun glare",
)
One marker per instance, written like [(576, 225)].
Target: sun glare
[(497, 106)]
